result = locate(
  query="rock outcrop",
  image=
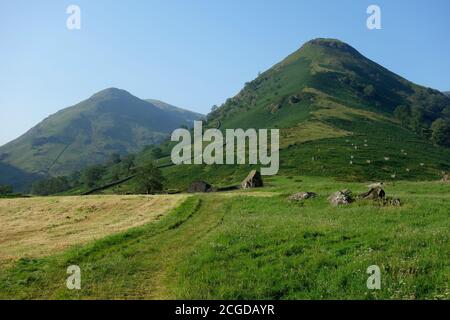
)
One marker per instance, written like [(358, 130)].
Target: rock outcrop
[(253, 180)]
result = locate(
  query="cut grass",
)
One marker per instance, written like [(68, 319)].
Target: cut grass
[(41, 226), (236, 246)]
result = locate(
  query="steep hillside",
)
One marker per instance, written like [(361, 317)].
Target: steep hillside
[(110, 122), (340, 115), (320, 74)]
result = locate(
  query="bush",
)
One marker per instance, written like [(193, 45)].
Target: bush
[(441, 132), (5, 190), (92, 176), (51, 186), (149, 179), (369, 91)]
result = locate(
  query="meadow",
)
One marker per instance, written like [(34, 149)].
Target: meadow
[(257, 245)]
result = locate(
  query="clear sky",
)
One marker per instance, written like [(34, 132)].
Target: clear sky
[(194, 53)]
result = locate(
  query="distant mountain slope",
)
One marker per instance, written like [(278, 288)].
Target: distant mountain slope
[(10, 175), (111, 121), (447, 93), (184, 115)]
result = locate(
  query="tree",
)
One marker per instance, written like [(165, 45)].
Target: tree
[(149, 179), (157, 153), (402, 113), (91, 176), (369, 91), (441, 132), (417, 119), (114, 158), (128, 162), (50, 186), (5, 190)]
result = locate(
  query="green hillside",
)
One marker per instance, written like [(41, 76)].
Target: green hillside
[(340, 115), (110, 122)]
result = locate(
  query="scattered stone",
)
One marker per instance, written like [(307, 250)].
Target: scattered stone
[(395, 202), (373, 194), (378, 194), (200, 187), (253, 180), (445, 178), (302, 196), (341, 197)]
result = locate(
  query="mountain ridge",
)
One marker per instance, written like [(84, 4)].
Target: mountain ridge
[(110, 121)]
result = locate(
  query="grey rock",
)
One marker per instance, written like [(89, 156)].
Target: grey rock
[(373, 194), (342, 197), (253, 180), (200, 187), (302, 196)]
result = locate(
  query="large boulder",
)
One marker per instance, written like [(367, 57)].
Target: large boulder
[(300, 196), (341, 197), (378, 194), (253, 180), (373, 194), (200, 187)]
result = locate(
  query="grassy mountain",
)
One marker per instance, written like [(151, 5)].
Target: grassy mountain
[(110, 122), (340, 115)]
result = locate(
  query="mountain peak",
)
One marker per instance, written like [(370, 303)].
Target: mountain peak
[(329, 43), (111, 93)]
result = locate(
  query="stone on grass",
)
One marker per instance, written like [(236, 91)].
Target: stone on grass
[(302, 196), (373, 194), (253, 180), (200, 187), (341, 197), (395, 202)]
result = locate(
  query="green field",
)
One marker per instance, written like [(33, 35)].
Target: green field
[(257, 245)]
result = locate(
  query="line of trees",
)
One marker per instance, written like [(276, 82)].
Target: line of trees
[(148, 178)]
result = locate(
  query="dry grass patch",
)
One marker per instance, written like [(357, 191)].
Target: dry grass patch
[(309, 131), (34, 227)]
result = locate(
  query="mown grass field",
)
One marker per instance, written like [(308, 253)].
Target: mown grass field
[(257, 245), (41, 226)]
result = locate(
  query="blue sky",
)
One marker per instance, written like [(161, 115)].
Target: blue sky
[(196, 53)]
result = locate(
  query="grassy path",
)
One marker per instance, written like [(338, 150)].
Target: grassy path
[(129, 265), (175, 246)]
